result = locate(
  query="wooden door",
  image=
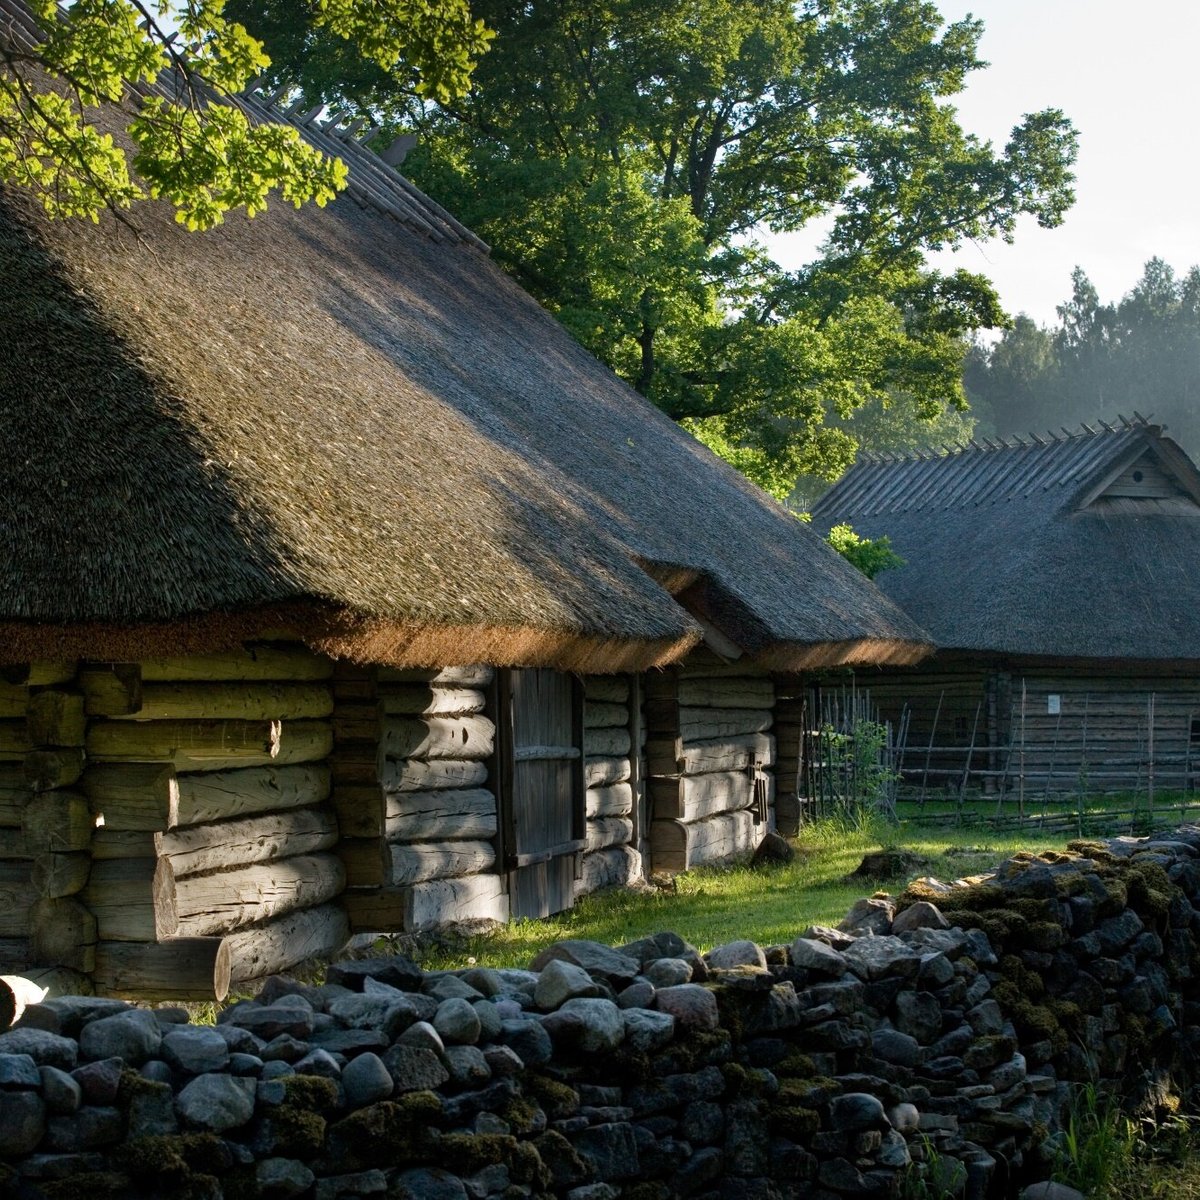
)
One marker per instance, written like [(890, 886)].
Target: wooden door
[(542, 788)]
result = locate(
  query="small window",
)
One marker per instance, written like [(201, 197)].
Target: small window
[(1054, 704), (961, 727), (1195, 737), (1138, 477)]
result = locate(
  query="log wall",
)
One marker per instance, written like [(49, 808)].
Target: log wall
[(709, 753), (165, 826), (411, 771), (612, 726)]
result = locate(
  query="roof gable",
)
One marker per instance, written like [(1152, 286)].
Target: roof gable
[(1048, 547)]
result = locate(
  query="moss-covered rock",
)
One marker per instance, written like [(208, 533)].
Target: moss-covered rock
[(559, 1100), (310, 1091), (793, 1122), (390, 1133), (297, 1132), (1149, 890)]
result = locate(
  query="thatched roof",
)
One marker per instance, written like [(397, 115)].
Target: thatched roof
[(348, 423), (1080, 546)]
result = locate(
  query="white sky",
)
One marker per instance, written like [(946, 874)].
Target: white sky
[(1128, 76)]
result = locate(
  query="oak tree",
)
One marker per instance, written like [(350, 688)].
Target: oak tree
[(626, 158), (173, 69)]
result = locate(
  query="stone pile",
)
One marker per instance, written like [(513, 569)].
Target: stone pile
[(931, 1038)]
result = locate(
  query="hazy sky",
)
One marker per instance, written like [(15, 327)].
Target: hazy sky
[(1128, 76)]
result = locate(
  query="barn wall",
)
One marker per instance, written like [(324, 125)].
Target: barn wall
[(413, 783), (165, 824), (612, 723), (709, 757)]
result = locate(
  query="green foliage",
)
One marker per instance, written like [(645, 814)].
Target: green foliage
[(1099, 361), (869, 555), (1097, 1147), (860, 776), (195, 149), (626, 180)]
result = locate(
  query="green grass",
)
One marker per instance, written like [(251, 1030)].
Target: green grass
[(768, 905)]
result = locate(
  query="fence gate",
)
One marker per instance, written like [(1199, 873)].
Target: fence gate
[(542, 790)]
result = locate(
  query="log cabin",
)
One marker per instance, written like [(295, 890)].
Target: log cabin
[(345, 592), (1057, 576)]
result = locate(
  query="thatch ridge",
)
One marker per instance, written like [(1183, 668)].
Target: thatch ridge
[(1005, 552)]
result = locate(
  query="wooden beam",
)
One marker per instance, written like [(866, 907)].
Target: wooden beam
[(262, 838), (179, 969), (276, 945), (280, 662), (222, 901)]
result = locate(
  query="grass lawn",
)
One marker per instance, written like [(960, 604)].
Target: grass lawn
[(768, 905)]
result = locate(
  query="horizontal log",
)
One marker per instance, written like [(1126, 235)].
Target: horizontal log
[(210, 745), (153, 797), (359, 809), (675, 846), (599, 772), (606, 743), (186, 968), (703, 724), (436, 737), (227, 900), (376, 909), (435, 816), (54, 768), (261, 838), (671, 756), (14, 701), (721, 692), (15, 741), (62, 933), (606, 689), (616, 866), (605, 716), (440, 860), (368, 861), (60, 874), (356, 723), (56, 718), (478, 675), (694, 797), (113, 689), (614, 800), (39, 674), (170, 741), (17, 896), (131, 899), (416, 775), (281, 662), (220, 795), (233, 701), (57, 821), (445, 901), (602, 832), (277, 945), (417, 699), (109, 844)]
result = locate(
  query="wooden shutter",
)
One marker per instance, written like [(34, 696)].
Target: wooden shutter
[(542, 788)]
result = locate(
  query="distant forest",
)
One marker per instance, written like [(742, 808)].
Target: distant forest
[(1100, 360)]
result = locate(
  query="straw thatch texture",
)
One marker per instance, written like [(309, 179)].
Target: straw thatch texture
[(1015, 549), (327, 422)]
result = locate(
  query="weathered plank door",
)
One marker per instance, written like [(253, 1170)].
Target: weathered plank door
[(542, 796)]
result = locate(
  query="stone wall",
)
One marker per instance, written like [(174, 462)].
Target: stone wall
[(897, 1045)]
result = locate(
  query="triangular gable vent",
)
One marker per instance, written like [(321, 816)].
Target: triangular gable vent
[(1145, 479)]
